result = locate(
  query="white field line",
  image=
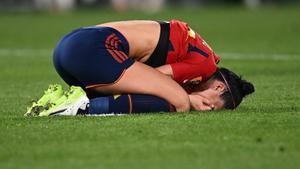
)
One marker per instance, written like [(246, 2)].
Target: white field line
[(25, 52), (259, 56), (224, 55)]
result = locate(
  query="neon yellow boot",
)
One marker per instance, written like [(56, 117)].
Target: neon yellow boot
[(54, 92), (68, 104)]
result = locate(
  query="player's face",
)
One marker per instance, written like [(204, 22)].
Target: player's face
[(212, 90)]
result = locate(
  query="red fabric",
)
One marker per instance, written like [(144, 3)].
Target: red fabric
[(190, 57)]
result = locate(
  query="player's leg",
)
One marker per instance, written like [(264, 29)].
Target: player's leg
[(131, 82), (142, 79), (126, 104), (75, 102)]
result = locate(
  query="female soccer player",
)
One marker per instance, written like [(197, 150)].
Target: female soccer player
[(148, 58)]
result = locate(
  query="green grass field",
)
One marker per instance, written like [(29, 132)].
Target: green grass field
[(263, 133)]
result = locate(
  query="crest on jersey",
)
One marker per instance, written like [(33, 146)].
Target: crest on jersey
[(191, 33)]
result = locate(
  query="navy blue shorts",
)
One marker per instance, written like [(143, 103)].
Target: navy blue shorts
[(92, 56)]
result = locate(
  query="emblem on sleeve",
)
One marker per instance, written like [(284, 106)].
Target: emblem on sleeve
[(192, 33)]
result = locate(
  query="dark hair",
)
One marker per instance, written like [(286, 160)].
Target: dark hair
[(236, 87)]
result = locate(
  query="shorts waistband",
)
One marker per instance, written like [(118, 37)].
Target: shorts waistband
[(159, 55)]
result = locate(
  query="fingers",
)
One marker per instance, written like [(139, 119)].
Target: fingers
[(205, 101), (202, 103), (206, 108), (202, 107), (209, 107)]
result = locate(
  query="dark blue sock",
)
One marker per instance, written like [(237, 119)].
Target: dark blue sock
[(128, 103)]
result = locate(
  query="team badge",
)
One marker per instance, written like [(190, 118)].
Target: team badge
[(191, 33)]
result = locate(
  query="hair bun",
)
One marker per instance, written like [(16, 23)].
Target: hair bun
[(247, 88)]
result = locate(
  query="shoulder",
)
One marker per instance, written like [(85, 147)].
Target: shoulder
[(179, 24)]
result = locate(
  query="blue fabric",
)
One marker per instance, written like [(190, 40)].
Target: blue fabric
[(98, 106), (82, 57), (128, 103), (148, 103)]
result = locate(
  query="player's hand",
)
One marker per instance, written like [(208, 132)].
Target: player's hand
[(200, 103)]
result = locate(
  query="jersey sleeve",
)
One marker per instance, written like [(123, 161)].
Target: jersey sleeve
[(193, 68), (191, 57)]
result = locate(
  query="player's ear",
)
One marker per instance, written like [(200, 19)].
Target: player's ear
[(219, 86)]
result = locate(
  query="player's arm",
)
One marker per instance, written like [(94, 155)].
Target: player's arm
[(166, 69), (143, 79), (187, 71)]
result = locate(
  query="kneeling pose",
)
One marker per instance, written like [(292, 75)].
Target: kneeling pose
[(165, 64)]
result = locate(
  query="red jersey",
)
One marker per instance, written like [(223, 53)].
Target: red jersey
[(189, 55)]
